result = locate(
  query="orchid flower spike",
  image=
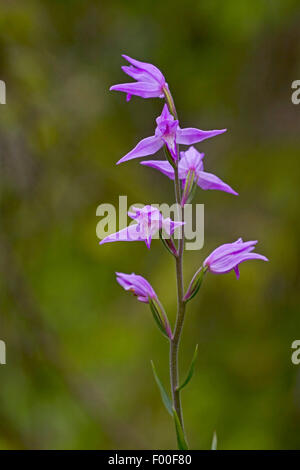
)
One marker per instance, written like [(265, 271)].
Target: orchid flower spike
[(138, 285), (227, 257), (150, 82), (149, 221), (191, 163), (168, 133)]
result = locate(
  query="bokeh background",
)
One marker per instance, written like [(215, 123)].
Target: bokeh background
[(78, 372)]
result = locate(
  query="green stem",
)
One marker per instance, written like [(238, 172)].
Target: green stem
[(175, 340), (174, 343)]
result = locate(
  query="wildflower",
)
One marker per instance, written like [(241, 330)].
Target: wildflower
[(227, 257), (149, 221), (191, 165), (146, 294), (150, 82), (138, 285), (168, 133)]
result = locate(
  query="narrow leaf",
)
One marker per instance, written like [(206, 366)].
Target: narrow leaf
[(214, 441), (191, 370), (165, 397), (195, 291), (181, 441), (165, 243), (157, 319), (195, 284)]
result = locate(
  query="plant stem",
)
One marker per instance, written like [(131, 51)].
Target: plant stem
[(175, 340)]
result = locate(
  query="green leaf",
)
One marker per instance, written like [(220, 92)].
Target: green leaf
[(181, 441), (195, 291), (165, 397), (195, 284), (214, 441), (157, 318), (191, 370), (165, 243)]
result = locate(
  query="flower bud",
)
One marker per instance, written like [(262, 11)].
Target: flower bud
[(229, 256)]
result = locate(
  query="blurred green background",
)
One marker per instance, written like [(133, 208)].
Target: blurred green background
[(78, 371)]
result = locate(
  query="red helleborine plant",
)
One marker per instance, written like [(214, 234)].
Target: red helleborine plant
[(186, 170)]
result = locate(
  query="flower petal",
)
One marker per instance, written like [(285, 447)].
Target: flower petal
[(170, 225), (229, 249), (150, 68), (211, 181), (237, 272), (138, 285), (161, 165), (143, 89), (190, 160), (170, 142), (147, 146), (227, 264), (148, 240), (127, 234), (191, 135), (137, 74)]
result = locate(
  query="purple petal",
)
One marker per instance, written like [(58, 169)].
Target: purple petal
[(137, 74), (123, 280), (170, 226), (249, 256), (234, 248), (148, 241), (230, 249), (211, 181), (191, 135), (135, 212), (127, 234), (237, 272), (143, 299), (170, 142), (160, 165), (147, 146), (138, 284), (150, 68), (165, 114), (227, 264), (143, 89), (190, 160)]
